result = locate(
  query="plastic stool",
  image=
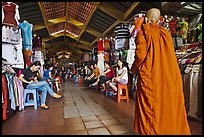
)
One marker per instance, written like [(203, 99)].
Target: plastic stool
[(26, 96), (122, 87), (79, 82)]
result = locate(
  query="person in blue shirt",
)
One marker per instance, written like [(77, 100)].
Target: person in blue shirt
[(50, 79)]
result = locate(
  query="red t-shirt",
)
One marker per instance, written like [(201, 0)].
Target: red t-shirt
[(111, 73)]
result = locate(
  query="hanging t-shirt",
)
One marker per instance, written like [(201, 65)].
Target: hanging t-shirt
[(11, 35), (101, 62), (26, 31), (106, 45), (172, 26), (122, 43), (112, 44), (132, 44), (100, 45), (120, 71), (114, 56), (130, 57), (38, 56), (122, 31), (10, 13), (106, 56), (37, 42), (13, 54)]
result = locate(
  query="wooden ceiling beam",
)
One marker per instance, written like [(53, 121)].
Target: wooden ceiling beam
[(110, 10), (44, 18), (67, 9), (130, 9)]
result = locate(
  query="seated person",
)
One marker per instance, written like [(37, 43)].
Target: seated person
[(74, 73), (93, 78), (63, 73), (29, 79), (89, 75), (50, 79), (105, 77), (121, 76)]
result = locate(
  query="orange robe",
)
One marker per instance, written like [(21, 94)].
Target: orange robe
[(160, 107)]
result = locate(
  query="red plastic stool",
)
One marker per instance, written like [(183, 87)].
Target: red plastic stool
[(124, 89)]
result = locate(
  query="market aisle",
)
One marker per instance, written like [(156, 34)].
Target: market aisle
[(81, 111)]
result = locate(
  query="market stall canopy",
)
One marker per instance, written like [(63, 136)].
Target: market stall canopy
[(76, 26)]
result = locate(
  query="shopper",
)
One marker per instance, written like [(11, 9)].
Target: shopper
[(90, 74), (105, 77), (29, 79), (63, 73), (50, 79), (160, 107), (96, 73), (121, 76)]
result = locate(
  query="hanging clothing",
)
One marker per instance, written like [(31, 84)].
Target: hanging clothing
[(112, 44), (130, 57), (184, 29), (101, 62), (106, 44), (26, 31), (10, 14), (5, 96), (37, 42), (27, 58), (132, 44), (159, 83), (20, 89), (172, 26), (122, 31), (38, 56), (11, 35), (106, 56), (13, 53), (194, 77), (100, 45), (122, 43), (10, 85)]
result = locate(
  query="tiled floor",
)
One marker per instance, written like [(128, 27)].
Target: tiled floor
[(82, 111)]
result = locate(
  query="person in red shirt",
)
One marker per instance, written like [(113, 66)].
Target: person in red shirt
[(105, 77)]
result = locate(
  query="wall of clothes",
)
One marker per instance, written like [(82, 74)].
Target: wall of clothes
[(190, 62), (20, 47)]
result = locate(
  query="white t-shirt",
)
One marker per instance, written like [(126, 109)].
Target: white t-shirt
[(120, 71), (13, 54)]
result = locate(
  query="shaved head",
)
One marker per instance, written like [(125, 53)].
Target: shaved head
[(153, 15)]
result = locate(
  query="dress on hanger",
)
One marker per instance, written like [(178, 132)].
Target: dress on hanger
[(10, 13)]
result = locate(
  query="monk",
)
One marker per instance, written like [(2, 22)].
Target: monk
[(160, 105)]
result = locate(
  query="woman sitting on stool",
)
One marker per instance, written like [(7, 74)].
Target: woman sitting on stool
[(121, 76), (105, 77)]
